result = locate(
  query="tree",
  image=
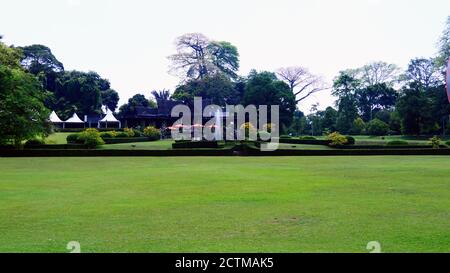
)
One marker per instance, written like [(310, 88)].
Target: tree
[(414, 109), (444, 47), (161, 95), (347, 113), (359, 127), (22, 111), (377, 73), (197, 57), (328, 122), (423, 72), (217, 88), (300, 77), (265, 89), (110, 98), (374, 98), (40, 61), (137, 100), (377, 127), (79, 92)]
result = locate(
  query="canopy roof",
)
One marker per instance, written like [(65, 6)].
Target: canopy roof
[(54, 118), (74, 119), (109, 117)]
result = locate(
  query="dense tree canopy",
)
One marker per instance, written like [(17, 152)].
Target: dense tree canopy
[(22, 111)]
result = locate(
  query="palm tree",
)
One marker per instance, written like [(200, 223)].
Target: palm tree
[(162, 95)]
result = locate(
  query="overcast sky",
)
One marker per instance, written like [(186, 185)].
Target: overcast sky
[(128, 41)]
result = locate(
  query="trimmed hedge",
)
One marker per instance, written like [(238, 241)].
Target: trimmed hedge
[(118, 140), (56, 147), (397, 143), (305, 141), (195, 145)]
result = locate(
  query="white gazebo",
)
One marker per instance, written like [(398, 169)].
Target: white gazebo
[(109, 118), (74, 120), (54, 118)]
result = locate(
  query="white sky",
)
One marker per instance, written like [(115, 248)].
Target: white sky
[(127, 42)]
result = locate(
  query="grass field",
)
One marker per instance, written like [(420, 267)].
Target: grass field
[(232, 204)]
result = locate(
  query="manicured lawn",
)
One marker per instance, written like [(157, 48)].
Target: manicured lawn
[(57, 138), (151, 145), (218, 204)]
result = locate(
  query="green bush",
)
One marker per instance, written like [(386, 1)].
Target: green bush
[(122, 135), (35, 141), (397, 143), (350, 140), (265, 135), (106, 135), (91, 138), (377, 127), (129, 132), (152, 133), (307, 138), (435, 142), (72, 138), (137, 133), (337, 139), (447, 143)]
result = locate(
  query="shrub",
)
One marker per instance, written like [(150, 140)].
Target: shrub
[(268, 127), (397, 143), (91, 138), (249, 129), (358, 127), (122, 134), (129, 132), (263, 135), (152, 133), (307, 138), (435, 142), (106, 135), (138, 133), (350, 140), (337, 139), (377, 127), (34, 141), (447, 143), (72, 138)]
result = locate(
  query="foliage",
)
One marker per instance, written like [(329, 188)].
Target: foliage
[(307, 138), (377, 127), (22, 111), (104, 135), (447, 143), (218, 89), (249, 129), (137, 100), (359, 127), (72, 138), (129, 132), (91, 138), (435, 142), (34, 141), (198, 57), (122, 134), (264, 89), (337, 139), (152, 133), (350, 140)]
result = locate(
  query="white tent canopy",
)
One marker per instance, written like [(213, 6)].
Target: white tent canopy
[(54, 118), (109, 117), (74, 119)]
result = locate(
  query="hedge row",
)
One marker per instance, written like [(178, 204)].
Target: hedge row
[(247, 151), (195, 145), (56, 147), (117, 140), (305, 141), (377, 147)]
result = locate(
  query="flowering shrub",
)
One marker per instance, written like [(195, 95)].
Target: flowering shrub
[(152, 133), (337, 139), (129, 132), (435, 142), (90, 137)]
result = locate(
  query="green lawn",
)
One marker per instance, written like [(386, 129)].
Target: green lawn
[(225, 204), (57, 138), (151, 145)]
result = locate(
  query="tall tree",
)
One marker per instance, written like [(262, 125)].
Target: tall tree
[(444, 47), (307, 83), (374, 98), (265, 89), (110, 98), (137, 100), (22, 111), (198, 57), (423, 72)]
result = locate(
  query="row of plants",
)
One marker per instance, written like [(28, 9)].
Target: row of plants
[(92, 137)]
